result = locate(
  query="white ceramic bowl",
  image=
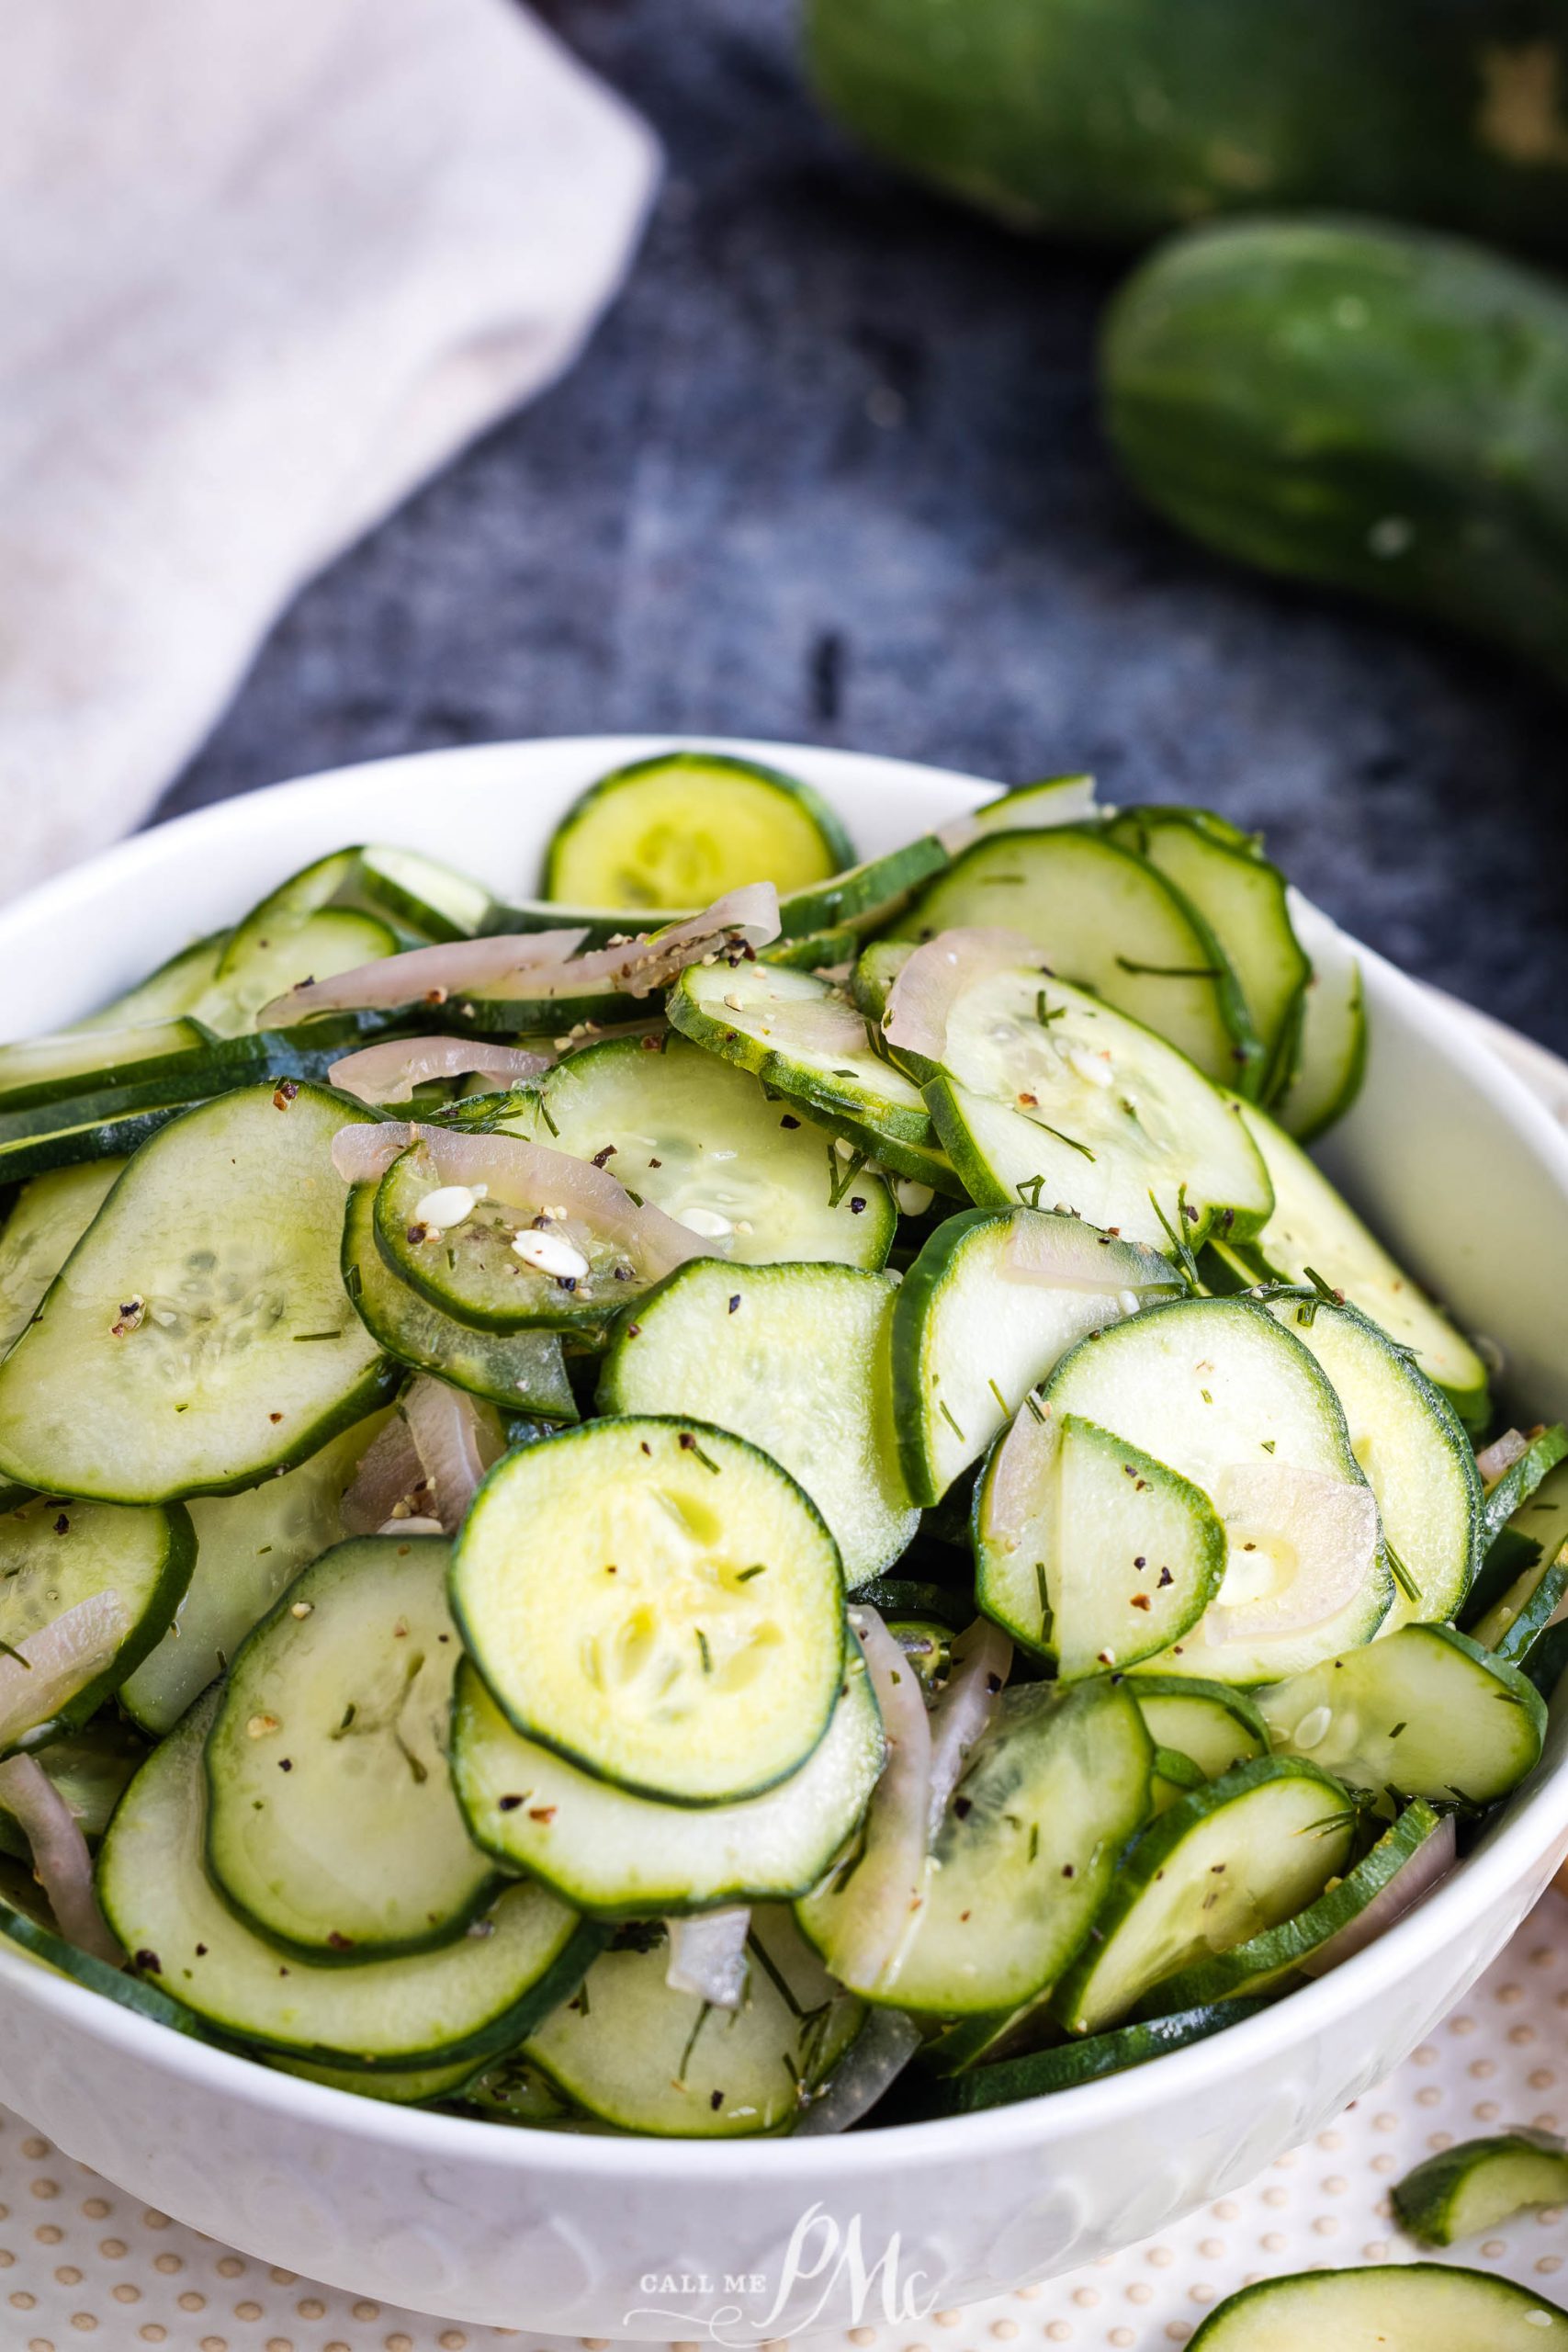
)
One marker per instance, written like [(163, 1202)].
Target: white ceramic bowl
[(603, 2237)]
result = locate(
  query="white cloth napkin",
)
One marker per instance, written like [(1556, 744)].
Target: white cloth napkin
[(263, 264)]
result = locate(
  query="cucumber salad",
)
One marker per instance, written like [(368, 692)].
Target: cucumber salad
[(860, 1533)]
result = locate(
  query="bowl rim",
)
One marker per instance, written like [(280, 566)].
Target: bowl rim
[(1508, 1854)]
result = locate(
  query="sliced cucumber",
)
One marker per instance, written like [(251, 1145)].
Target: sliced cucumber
[(419, 2088), (1088, 1550), (1199, 1729), (1273, 1958), (331, 1827), (470, 2000), (794, 1359), (1026, 1852), (1428, 1713), (249, 1548), (1245, 902), (1509, 1493), (1330, 1057), (1513, 1625), (41, 1942), (525, 1371), (863, 896), (1538, 1530), (198, 1336), (50, 1216), (54, 1556), (1220, 1392), (702, 1141), (267, 955), (1466, 2190), (1413, 1449), (1313, 1231), (84, 1061), (1055, 800), (1001, 2083), (1050, 1098), (994, 1299), (831, 952), (805, 1042), (90, 1768), (678, 829), (657, 1601), (1400, 2307), (511, 2091), (619, 1856), (639, 2057), (1251, 1849), (176, 987), (432, 898), (33, 1145), (1107, 921)]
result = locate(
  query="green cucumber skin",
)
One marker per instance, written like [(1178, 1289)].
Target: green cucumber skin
[(1325, 2304), (1423, 2200), (116, 1984), (1117, 119), (919, 1286), (835, 840), (1519, 1482), (1368, 408), (1004, 2081)]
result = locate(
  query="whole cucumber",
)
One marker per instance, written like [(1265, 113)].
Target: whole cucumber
[(1376, 409), (1121, 119)]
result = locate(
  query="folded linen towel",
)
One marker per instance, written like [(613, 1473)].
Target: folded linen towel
[(264, 264)]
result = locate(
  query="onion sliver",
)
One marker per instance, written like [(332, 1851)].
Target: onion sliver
[(1321, 1533), (885, 1893), (1501, 1455), (44, 1673), (1407, 1887), (448, 1439), (61, 1861), (1063, 1254), (525, 1175), (937, 974), (982, 1660), (390, 1071), (390, 1471), (869, 2068), (740, 920), (427, 975), (707, 1957)]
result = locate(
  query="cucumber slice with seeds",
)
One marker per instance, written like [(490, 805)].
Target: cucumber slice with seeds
[(678, 829), (54, 1556), (262, 962), (1094, 1554), (1218, 1392), (1200, 1730), (1466, 2190), (794, 1359), (332, 1826), (702, 1141), (1429, 1713), (973, 1332), (1026, 1852), (1108, 921), (469, 2000), (619, 1856), (800, 1038), (1313, 1232), (645, 2059), (1275, 1956), (216, 1257), (50, 1216), (1401, 2307), (1250, 1850), (657, 1601), (1050, 1098), (1409, 1442), (249, 1548), (524, 1372)]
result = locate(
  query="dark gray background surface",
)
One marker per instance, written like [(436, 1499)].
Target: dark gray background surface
[(830, 471)]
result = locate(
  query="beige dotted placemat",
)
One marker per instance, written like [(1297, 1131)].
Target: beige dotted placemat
[(83, 2263)]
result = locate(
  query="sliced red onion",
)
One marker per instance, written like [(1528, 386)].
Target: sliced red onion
[(448, 1439), (869, 2068), (743, 918), (959, 834), (1409, 1886), (44, 1672), (982, 1660), (707, 1957), (525, 1175), (1021, 1464), (1063, 1254), (62, 1864), (937, 974), (1325, 1528), (390, 1471), (888, 1886), (415, 1524), (426, 976), (1501, 1455), (390, 1072)]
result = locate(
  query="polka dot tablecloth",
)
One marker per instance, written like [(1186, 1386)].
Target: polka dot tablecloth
[(83, 2264)]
